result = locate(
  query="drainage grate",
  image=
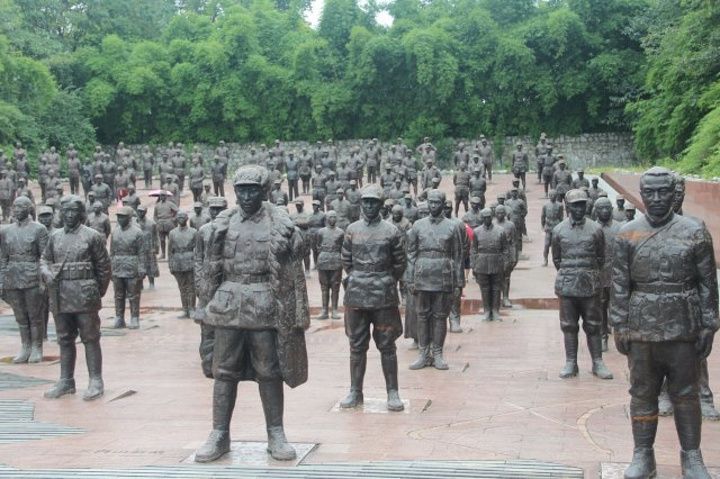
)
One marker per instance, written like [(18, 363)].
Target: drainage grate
[(384, 470), (17, 424), (14, 381)]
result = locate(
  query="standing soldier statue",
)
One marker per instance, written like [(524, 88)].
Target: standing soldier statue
[(329, 243), (21, 245), (181, 243), (610, 228), (148, 164), (76, 269), (487, 258), (197, 177), (164, 216), (664, 313), (461, 180), (315, 222), (434, 252), (511, 254), (98, 220), (487, 157), (520, 164), (259, 311), (578, 250), (73, 166), (127, 256), (371, 297), (202, 269), (7, 195), (152, 245), (548, 169), (540, 150), (292, 166), (552, 214), (562, 179), (218, 170)]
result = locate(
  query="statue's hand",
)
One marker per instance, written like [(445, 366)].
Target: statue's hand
[(48, 277), (704, 342), (410, 288), (622, 343)]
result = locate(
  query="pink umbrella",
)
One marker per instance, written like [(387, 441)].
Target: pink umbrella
[(160, 192)]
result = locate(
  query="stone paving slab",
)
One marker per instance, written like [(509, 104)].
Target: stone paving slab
[(614, 470)]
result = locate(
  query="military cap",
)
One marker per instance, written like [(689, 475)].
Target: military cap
[(602, 194), (339, 190), (519, 143), (603, 201), (581, 171), (515, 181), (388, 166), (552, 192), (448, 203), (562, 157), (513, 188), (299, 202), (501, 196), (485, 212), (408, 196), (316, 202), (576, 196), (476, 200), (331, 173), (373, 191), (620, 197), (125, 211), (217, 202), (397, 209), (98, 176), (436, 180), (251, 175), (97, 204), (331, 213), (353, 182), (543, 135), (142, 208), (197, 204), (23, 200), (44, 210), (277, 182), (436, 195), (389, 202)]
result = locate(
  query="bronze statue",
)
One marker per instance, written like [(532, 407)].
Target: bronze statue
[(21, 246), (487, 157), (75, 268), (164, 216), (181, 245), (461, 180), (196, 178), (203, 280), (610, 228), (520, 164), (98, 220), (511, 254), (434, 252), (152, 245), (487, 258), (329, 242), (373, 256), (127, 257), (199, 216), (664, 313), (578, 249), (456, 303), (259, 310), (552, 214)]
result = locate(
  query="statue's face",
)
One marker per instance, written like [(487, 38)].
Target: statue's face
[(181, 219), (141, 214), (371, 207), (397, 216), (45, 220), (487, 220), (71, 214), (499, 214), (658, 194), (604, 212), (436, 207), (553, 197), (214, 211), (249, 197), (331, 220), (123, 220), (679, 199), (21, 212), (97, 210), (577, 210)]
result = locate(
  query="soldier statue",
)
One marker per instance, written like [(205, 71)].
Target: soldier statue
[(98, 220), (511, 255), (619, 212), (148, 163), (552, 214), (472, 218), (487, 157), (562, 179), (315, 222), (487, 258), (329, 243), (259, 311), (199, 216), (7, 195), (202, 276), (461, 180), (578, 250), (456, 303), (318, 186), (520, 164), (127, 256), (540, 151), (73, 166), (371, 297), (196, 178), (548, 169), (580, 181), (664, 313), (610, 228), (164, 216), (102, 192), (75, 267), (434, 250), (132, 199), (152, 245), (181, 243), (302, 221), (21, 245), (292, 166)]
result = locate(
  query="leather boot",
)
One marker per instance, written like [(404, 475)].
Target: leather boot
[(455, 325), (66, 383), (496, 304), (604, 343), (358, 364), (693, 466), (506, 294), (218, 442), (423, 359), (487, 302), (390, 371), (273, 400), (707, 403), (134, 322), (335, 297), (438, 341), (438, 360), (595, 346), (571, 348), (24, 354), (93, 358), (325, 293), (688, 423), (455, 314), (36, 343), (642, 465), (119, 314), (135, 312)]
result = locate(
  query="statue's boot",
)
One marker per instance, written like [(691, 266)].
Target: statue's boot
[(707, 406), (325, 293), (708, 411), (335, 298), (413, 346), (135, 313), (36, 343), (218, 442), (455, 314), (25, 348), (438, 359), (506, 294), (438, 341), (604, 343), (598, 368), (390, 371), (665, 406), (455, 325), (358, 364), (93, 358), (272, 397), (423, 358), (643, 465), (571, 348), (66, 383), (119, 314), (688, 423), (495, 297), (487, 302)]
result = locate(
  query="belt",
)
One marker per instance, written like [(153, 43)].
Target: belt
[(432, 254), (79, 270), (664, 288), (370, 267), (247, 278), (21, 258)]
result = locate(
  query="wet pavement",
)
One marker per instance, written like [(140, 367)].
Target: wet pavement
[(500, 400)]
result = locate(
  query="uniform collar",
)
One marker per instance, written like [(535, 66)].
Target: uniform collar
[(255, 217), (580, 223), (368, 222), (437, 220)]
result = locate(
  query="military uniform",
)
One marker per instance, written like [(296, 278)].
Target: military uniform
[(21, 245), (487, 257), (7, 195), (329, 243), (103, 194), (181, 243), (164, 216), (610, 230), (315, 222), (520, 165), (292, 166), (127, 256), (518, 210), (552, 214), (197, 177), (461, 180), (152, 247), (100, 223)]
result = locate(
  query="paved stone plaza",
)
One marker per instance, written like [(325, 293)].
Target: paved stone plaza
[(501, 400)]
